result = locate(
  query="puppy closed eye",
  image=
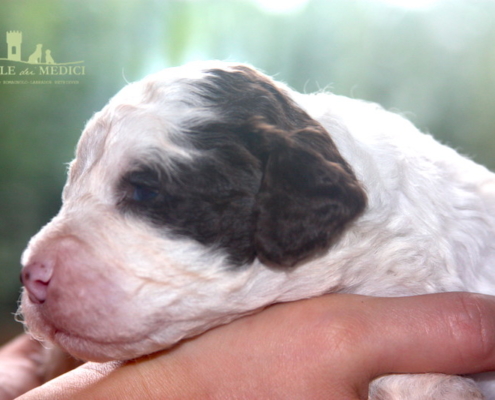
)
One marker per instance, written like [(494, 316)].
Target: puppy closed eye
[(144, 194), (141, 186)]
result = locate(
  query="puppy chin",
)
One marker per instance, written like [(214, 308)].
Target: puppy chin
[(85, 345), (91, 350)]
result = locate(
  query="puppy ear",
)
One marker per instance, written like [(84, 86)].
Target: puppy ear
[(307, 196)]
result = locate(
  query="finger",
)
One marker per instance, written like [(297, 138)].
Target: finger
[(19, 366), (91, 381), (20, 346), (452, 333)]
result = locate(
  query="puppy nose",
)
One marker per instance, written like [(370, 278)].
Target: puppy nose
[(36, 277)]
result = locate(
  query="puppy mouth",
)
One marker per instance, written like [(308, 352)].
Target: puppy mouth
[(62, 335)]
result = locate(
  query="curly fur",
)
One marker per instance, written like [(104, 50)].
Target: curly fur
[(209, 191)]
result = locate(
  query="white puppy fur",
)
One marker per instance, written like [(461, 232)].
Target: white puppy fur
[(111, 278)]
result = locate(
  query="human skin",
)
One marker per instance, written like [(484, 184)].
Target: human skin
[(329, 347)]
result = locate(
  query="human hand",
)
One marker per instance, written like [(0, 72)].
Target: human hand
[(26, 364), (19, 362), (328, 347)]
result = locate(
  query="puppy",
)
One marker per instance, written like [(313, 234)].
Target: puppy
[(206, 192)]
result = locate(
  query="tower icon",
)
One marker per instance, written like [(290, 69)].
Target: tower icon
[(14, 40)]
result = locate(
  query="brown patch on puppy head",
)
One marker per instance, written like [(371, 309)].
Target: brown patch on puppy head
[(308, 193)]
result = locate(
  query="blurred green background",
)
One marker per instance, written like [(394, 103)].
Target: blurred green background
[(433, 61)]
